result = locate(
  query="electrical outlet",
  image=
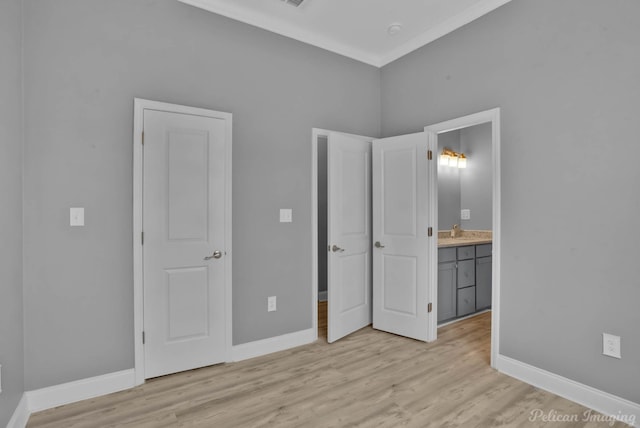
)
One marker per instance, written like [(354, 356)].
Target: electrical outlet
[(271, 304), (465, 214), (286, 215), (611, 345)]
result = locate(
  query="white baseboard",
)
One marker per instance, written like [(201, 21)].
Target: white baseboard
[(57, 395), (600, 401), (273, 344), (323, 296), (20, 415)]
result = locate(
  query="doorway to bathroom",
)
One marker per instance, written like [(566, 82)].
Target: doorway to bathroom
[(404, 205), (467, 194)]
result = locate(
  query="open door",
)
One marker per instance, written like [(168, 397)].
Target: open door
[(401, 280), (349, 234)]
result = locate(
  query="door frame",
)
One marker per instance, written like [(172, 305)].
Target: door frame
[(488, 116), (140, 105), (316, 133)]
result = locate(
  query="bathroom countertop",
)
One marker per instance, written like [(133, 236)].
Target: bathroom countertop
[(466, 237)]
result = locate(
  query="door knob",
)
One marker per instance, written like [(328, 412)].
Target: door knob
[(378, 245), (335, 248), (216, 255)]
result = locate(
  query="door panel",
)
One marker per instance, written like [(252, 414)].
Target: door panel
[(349, 236), (183, 222), (188, 178), (399, 285), (187, 298), (399, 202), (400, 225)]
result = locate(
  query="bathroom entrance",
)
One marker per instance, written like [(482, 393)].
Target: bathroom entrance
[(468, 220)]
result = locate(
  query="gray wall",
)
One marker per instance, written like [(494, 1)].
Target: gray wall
[(85, 61), (11, 325), (448, 184), (476, 188), (565, 75), (323, 255)]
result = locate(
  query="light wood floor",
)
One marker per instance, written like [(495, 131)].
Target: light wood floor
[(369, 379)]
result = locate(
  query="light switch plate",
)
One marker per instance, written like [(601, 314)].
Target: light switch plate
[(271, 304), (76, 216), (465, 214), (286, 215)]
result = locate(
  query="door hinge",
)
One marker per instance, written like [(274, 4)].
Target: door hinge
[(429, 307), (142, 237), (143, 338), (429, 155), (430, 231), (143, 138)]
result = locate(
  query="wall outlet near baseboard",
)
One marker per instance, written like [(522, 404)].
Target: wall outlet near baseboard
[(271, 304), (611, 345)]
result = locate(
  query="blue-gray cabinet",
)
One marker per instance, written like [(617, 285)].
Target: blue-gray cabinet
[(447, 279), (483, 276), (466, 301), (464, 280)]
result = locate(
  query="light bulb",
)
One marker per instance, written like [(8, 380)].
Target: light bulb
[(462, 161)]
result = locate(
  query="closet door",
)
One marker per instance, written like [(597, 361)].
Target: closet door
[(400, 235), (349, 234)]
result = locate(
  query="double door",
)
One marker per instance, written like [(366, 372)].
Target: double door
[(378, 235)]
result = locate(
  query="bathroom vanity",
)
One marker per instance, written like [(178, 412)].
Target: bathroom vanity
[(464, 274)]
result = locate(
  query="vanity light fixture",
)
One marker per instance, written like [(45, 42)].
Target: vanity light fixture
[(454, 159)]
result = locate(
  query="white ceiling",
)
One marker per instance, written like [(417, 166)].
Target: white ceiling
[(356, 28)]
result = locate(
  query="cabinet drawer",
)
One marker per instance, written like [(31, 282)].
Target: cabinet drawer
[(467, 252), (466, 273), (446, 255), (466, 301), (483, 250)]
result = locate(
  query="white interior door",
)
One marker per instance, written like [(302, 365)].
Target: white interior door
[(400, 232), (184, 241), (349, 234)]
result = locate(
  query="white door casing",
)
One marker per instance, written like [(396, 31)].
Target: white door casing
[(349, 234), (401, 214), (184, 213), (488, 116)]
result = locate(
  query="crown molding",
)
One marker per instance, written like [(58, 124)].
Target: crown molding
[(466, 16), (248, 16), (283, 28)]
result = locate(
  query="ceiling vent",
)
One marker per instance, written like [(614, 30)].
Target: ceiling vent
[(295, 3)]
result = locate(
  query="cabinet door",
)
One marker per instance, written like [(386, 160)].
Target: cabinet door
[(466, 273), (446, 291), (483, 283), (466, 301)]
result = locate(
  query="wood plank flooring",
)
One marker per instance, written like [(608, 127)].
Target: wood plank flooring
[(322, 321), (369, 379)]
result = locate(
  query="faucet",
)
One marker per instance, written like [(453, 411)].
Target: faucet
[(455, 231)]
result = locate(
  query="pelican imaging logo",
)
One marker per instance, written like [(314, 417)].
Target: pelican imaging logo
[(539, 415)]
